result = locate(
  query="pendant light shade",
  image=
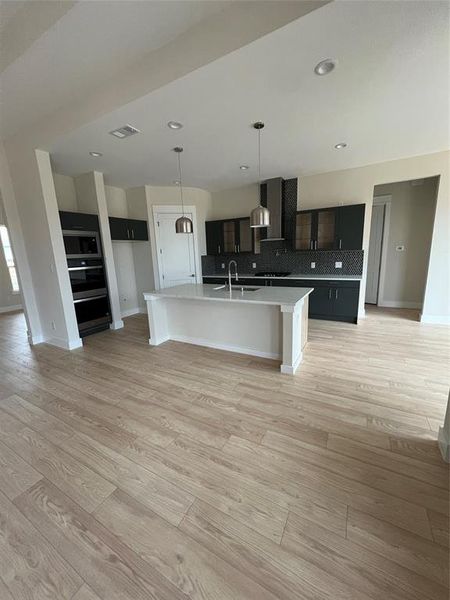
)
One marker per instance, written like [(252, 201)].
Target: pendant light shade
[(183, 224), (260, 216)]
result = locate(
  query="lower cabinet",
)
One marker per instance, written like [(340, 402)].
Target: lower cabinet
[(332, 299)]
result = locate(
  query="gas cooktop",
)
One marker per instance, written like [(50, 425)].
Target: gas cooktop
[(272, 274)]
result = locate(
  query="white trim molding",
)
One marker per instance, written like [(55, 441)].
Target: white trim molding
[(435, 319), (65, 344), (400, 304), (130, 311), (237, 349), (8, 309)]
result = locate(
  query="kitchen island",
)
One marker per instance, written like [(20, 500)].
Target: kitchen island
[(269, 322)]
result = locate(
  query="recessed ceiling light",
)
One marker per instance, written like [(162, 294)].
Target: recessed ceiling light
[(244, 167), (174, 125), (325, 66), (340, 146), (96, 154)]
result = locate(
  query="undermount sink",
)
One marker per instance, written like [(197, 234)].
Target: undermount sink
[(242, 288)]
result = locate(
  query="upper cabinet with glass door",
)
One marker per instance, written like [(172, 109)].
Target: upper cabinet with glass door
[(229, 236), (335, 228)]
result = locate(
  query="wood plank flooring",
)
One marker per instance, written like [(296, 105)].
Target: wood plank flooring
[(178, 472)]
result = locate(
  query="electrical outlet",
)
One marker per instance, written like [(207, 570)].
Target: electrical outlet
[(223, 265), (253, 265), (400, 248), (338, 264), (313, 265)]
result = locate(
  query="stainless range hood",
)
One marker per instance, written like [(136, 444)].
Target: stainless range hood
[(280, 197)]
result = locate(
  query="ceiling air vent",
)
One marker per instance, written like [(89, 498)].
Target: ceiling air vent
[(125, 131)]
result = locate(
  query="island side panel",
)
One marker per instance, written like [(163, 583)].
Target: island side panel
[(254, 329), (157, 320), (294, 337)]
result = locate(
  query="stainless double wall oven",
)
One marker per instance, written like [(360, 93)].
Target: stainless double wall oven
[(88, 280)]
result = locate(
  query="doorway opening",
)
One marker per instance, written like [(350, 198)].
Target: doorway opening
[(400, 242)]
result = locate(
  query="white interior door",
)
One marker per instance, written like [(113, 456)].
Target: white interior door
[(374, 256), (176, 254)]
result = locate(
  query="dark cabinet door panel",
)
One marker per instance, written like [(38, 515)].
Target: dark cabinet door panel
[(345, 302), (78, 221), (138, 229), (214, 238), (350, 226), (119, 228)]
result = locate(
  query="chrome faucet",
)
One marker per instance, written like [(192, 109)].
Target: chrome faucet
[(235, 272)]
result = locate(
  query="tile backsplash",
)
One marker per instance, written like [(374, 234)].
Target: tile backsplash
[(272, 259)]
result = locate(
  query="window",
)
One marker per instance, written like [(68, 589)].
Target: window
[(9, 258)]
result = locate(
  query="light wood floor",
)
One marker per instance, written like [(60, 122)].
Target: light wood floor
[(131, 472)]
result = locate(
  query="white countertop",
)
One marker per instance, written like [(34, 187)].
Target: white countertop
[(293, 276), (278, 296)]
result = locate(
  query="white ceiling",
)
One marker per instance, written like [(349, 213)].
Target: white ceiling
[(388, 99), (91, 43)]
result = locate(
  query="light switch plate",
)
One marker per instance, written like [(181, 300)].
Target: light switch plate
[(223, 265), (338, 264), (313, 265), (253, 265)]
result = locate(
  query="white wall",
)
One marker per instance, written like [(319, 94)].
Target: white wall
[(235, 202), (411, 220), (66, 194)]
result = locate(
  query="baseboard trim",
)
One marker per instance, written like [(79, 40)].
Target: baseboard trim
[(129, 312), (116, 324), (65, 344), (290, 370), (8, 309), (226, 347), (435, 319), (399, 304)]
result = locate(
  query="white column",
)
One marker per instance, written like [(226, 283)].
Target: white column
[(292, 337), (66, 332), (157, 320)]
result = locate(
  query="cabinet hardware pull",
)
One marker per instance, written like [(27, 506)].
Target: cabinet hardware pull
[(336, 294), (132, 233), (340, 244), (329, 294), (239, 248), (218, 249), (128, 233)]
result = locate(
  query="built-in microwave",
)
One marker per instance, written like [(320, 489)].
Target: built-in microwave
[(82, 244)]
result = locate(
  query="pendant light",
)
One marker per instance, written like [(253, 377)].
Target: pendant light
[(260, 216), (183, 224)]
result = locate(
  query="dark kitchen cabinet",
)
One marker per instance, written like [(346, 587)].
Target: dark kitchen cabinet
[(333, 300), (138, 230), (75, 221), (350, 226), (214, 241), (336, 228), (128, 229), (229, 236)]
